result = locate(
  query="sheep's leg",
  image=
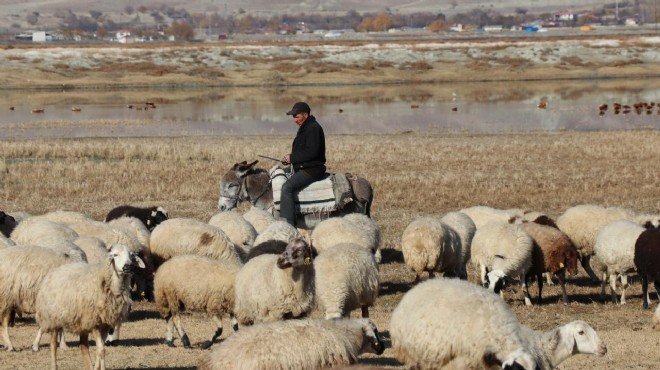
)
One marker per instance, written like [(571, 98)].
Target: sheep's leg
[(99, 364), (234, 322), (60, 336), (431, 274), (656, 284), (53, 350), (525, 289), (182, 333), (365, 311), (169, 336), (584, 261), (84, 350), (562, 283), (645, 291), (216, 335), (613, 288), (37, 339), (483, 272), (624, 286), (548, 278), (603, 282), (5, 331), (540, 284)]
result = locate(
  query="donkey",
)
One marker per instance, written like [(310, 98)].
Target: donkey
[(245, 182)]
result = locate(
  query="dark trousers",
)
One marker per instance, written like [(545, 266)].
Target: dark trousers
[(297, 181)]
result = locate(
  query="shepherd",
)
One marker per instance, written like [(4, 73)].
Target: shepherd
[(307, 159)]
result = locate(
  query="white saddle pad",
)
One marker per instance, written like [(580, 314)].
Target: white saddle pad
[(319, 196)]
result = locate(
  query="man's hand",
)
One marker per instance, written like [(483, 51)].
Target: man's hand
[(286, 159)]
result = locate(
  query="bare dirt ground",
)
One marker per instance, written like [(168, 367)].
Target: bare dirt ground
[(305, 63)]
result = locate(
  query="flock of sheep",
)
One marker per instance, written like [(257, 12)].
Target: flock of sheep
[(79, 276)]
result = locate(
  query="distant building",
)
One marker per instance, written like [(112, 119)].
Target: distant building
[(36, 36), (124, 37), (458, 27), (565, 16), (494, 28)]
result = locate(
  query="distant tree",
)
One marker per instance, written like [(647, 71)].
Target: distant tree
[(366, 25), (383, 22), (142, 9), (32, 18), (181, 31), (101, 32), (129, 9), (437, 26)]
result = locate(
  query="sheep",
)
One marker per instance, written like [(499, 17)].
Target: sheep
[(428, 244), (647, 261), (369, 225), (271, 287), (582, 222), (615, 249), (268, 247), (553, 252), (83, 299), (481, 215), (34, 231), (67, 247), (259, 218), (278, 230), (336, 230), (7, 224), (502, 251), (237, 228), (22, 270), (451, 323), (150, 216), (196, 284), (95, 249), (296, 345), (187, 236), (346, 279)]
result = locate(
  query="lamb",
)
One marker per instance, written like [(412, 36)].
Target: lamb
[(271, 287), (502, 251), (553, 252), (187, 236), (259, 219), (615, 248), (336, 230), (346, 279), (83, 299), (296, 344), (647, 261), (481, 215), (451, 323), (150, 216), (278, 230), (237, 228), (196, 284), (22, 270), (428, 244), (7, 224), (581, 223)]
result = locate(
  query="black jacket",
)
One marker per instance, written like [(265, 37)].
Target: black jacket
[(308, 148)]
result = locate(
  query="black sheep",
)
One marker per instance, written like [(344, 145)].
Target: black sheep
[(647, 260), (150, 216)]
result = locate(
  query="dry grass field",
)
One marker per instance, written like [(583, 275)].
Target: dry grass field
[(412, 175)]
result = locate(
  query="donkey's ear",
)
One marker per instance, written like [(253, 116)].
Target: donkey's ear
[(253, 163)]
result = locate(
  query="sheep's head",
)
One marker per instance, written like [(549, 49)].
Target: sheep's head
[(496, 280), (297, 253), (582, 338), (571, 260), (123, 260), (372, 342), (157, 216)]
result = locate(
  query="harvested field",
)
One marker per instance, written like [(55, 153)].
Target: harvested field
[(412, 175)]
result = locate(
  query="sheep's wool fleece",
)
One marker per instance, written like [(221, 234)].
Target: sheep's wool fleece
[(285, 345), (443, 320)]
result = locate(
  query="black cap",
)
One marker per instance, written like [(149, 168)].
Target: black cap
[(299, 107)]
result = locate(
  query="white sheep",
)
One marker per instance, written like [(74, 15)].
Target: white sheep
[(370, 226), (295, 345), (177, 236), (337, 230), (271, 287), (451, 323), (95, 249), (237, 228), (482, 215), (35, 231), (615, 249), (83, 299), (582, 222), (22, 270), (502, 251), (195, 284), (346, 279), (465, 228), (278, 230), (259, 218), (428, 244)]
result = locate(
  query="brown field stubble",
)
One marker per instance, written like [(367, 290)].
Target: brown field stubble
[(412, 175)]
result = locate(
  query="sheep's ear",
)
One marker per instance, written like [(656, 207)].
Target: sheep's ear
[(137, 261)]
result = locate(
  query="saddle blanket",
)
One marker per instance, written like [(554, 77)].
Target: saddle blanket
[(318, 197)]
